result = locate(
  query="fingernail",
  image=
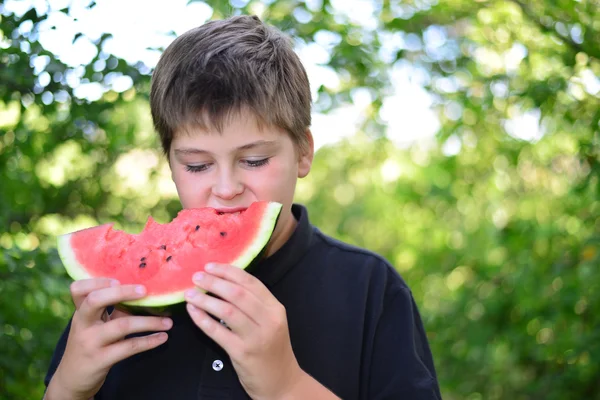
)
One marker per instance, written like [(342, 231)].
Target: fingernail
[(210, 267), (139, 289), (189, 294), (191, 308), (114, 282), (167, 322), (198, 277)]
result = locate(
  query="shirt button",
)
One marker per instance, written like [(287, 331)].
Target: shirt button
[(217, 365)]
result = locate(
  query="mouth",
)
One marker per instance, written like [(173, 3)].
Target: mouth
[(236, 210)]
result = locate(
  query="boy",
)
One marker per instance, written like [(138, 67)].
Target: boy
[(316, 319)]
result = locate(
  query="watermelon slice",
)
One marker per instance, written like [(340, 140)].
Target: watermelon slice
[(163, 257)]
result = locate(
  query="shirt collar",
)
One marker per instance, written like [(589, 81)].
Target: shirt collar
[(271, 269)]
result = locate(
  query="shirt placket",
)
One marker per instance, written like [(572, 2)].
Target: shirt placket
[(217, 376)]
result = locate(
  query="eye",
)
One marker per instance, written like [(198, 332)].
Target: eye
[(256, 163), (196, 168)]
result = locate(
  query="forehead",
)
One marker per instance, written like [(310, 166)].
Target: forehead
[(241, 119), (237, 134), (232, 132)]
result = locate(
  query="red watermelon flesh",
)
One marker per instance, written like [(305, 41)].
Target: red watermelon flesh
[(163, 257)]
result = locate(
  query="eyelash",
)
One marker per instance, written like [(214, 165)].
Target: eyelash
[(257, 163), (249, 163), (195, 168)]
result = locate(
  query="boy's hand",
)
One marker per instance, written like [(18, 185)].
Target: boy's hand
[(258, 342), (97, 341)]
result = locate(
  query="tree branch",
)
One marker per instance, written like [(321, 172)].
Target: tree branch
[(548, 29)]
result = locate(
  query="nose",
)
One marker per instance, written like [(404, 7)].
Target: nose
[(227, 185)]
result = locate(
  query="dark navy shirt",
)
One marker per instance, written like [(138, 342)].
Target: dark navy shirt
[(353, 322)]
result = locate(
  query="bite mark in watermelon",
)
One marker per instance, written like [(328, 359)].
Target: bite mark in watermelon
[(163, 257)]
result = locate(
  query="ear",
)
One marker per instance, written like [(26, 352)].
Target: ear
[(306, 157)]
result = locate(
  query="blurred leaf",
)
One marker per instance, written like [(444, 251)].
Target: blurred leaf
[(494, 222)]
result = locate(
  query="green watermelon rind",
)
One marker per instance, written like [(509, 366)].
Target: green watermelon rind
[(76, 271), (262, 238)]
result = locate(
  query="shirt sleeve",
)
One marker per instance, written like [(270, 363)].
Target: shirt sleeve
[(57, 355), (401, 363)]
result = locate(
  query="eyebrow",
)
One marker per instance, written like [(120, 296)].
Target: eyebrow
[(248, 146)]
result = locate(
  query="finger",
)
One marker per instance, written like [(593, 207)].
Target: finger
[(232, 293), (94, 304), (119, 314), (126, 348), (81, 288), (225, 338), (114, 314), (235, 318), (117, 329), (242, 278)]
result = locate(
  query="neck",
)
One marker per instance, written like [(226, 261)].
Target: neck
[(282, 233)]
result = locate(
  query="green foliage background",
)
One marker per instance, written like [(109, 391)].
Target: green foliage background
[(499, 240)]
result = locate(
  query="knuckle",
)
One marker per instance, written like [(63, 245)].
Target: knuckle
[(137, 344), (245, 352), (280, 312), (152, 341), (210, 328), (207, 282), (123, 324), (247, 279), (74, 288), (279, 317), (238, 294), (228, 311), (125, 291), (79, 341), (86, 344), (93, 299), (92, 347), (240, 352)]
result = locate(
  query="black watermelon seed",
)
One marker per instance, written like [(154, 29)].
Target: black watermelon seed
[(220, 213), (164, 247), (169, 258), (142, 265), (223, 234), (143, 259), (197, 227)]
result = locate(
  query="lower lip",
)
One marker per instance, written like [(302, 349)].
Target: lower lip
[(231, 212)]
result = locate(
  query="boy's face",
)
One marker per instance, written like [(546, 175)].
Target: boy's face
[(231, 169)]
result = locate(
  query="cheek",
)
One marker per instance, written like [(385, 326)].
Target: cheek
[(180, 178), (278, 178), (189, 188)]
